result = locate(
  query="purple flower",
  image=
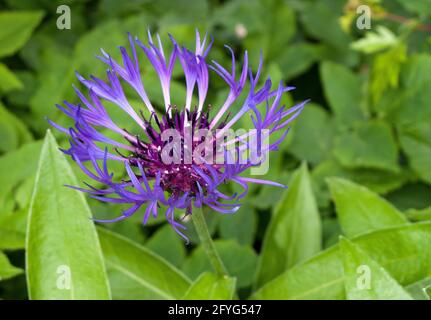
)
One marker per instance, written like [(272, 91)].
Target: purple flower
[(191, 180)]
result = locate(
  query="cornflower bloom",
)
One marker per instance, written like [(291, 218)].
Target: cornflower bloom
[(151, 181)]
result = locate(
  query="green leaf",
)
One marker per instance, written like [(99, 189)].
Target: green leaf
[(241, 226), (376, 180), (403, 251), (260, 19), (365, 279), (6, 269), (54, 83), (342, 90), (139, 266), (422, 7), (13, 227), (62, 243), (411, 196), (371, 145), (266, 196), (416, 143), (360, 210), (386, 69), (296, 59), (211, 287), (420, 290), (415, 81), (294, 233), (240, 261), (90, 44), (13, 131), (419, 215), (373, 42), (17, 165), (11, 239), (275, 15), (125, 288), (322, 15), (9, 139), (168, 245), (16, 28), (313, 135), (8, 80)]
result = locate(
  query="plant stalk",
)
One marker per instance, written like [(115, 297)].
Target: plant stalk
[(206, 241)]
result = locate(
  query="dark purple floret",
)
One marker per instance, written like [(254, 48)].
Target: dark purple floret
[(151, 181)]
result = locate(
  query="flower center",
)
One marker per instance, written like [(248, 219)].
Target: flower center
[(173, 159)]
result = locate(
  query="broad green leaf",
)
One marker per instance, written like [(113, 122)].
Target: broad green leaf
[(239, 11), (313, 135), (24, 192), (420, 290), (403, 251), (417, 6), (130, 228), (181, 10), (240, 261), (296, 59), (6, 269), (13, 131), (8, 80), (13, 227), (386, 69), (419, 215), (415, 79), (342, 90), (19, 98), (360, 210), (322, 15), (16, 28), (168, 245), (294, 233), (376, 180), (241, 226), (371, 145), (331, 231), (416, 143), (63, 255), (90, 44), (140, 266), (259, 19), (266, 196), (11, 239), (411, 196), (9, 138), (17, 165), (54, 83), (126, 288), (274, 15), (364, 278), (211, 287)]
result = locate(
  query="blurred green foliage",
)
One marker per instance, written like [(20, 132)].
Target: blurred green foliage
[(369, 121)]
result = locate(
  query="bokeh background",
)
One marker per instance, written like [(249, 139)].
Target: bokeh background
[(368, 120)]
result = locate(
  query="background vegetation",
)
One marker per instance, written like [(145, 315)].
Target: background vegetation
[(364, 143)]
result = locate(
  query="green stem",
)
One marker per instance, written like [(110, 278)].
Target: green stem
[(206, 241)]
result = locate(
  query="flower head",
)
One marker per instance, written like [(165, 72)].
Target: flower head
[(162, 165)]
